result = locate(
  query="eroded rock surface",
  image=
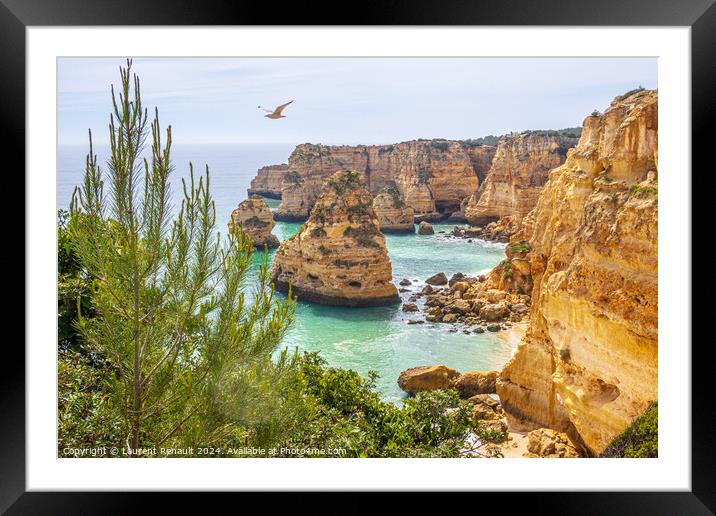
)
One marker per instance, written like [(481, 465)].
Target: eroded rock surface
[(588, 254), (517, 175), (432, 176), (394, 216), (268, 181), (339, 257), (427, 378), (254, 217)]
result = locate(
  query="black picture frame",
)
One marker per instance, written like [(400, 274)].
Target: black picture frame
[(699, 15)]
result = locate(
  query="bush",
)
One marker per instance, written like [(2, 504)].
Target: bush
[(345, 182), (640, 439), (643, 191), (350, 414)]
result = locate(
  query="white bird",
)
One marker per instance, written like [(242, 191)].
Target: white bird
[(276, 113)]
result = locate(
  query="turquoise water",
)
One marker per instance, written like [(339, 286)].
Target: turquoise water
[(362, 339)]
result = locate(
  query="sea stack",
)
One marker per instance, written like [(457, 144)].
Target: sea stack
[(588, 363), (393, 214), (339, 257), (254, 217)]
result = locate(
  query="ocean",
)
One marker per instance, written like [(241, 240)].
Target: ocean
[(364, 339)]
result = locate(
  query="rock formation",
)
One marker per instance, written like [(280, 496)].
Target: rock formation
[(393, 214), (587, 365), (519, 171), (268, 181), (427, 378), (254, 217), (545, 442), (425, 228), (339, 257), (472, 383), (432, 176)]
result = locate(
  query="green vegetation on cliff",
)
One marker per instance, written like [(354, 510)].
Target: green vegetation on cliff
[(640, 439)]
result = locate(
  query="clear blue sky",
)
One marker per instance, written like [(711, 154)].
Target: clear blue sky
[(348, 100)]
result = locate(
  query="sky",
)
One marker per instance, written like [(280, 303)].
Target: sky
[(348, 100)]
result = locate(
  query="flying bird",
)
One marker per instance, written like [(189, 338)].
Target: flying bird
[(276, 113)]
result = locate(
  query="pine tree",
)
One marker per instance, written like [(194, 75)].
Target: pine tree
[(193, 352)]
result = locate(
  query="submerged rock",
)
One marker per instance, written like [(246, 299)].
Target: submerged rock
[(339, 257), (253, 217), (427, 378)]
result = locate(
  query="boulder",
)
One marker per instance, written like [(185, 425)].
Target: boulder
[(494, 295), (495, 425), (410, 307), (449, 318), (476, 382), (460, 306), (438, 279), (545, 442), (427, 378), (461, 286), (405, 282), (494, 311), (520, 308), (425, 228)]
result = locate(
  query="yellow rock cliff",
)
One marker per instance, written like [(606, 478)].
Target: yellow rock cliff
[(588, 362)]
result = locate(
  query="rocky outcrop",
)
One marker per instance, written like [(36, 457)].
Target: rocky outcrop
[(432, 176), (339, 257), (518, 172), (394, 216), (476, 382), (427, 378), (476, 302), (587, 365), (253, 217), (425, 228), (268, 181), (500, 230), (545, 442), (481, 157)]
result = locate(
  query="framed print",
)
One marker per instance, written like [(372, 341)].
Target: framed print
[(429, 251)]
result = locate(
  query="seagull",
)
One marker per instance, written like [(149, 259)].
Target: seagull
[(276, 113)]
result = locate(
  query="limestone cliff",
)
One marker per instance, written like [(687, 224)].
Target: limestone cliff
[(518, 172), (393, 214), (254, 218), (588, 362), (432, 176), (339, 257), (268, 181)]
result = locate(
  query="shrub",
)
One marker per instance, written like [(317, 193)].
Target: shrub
[(643, 191), (345, 182), (441, 145), (640, 439)]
